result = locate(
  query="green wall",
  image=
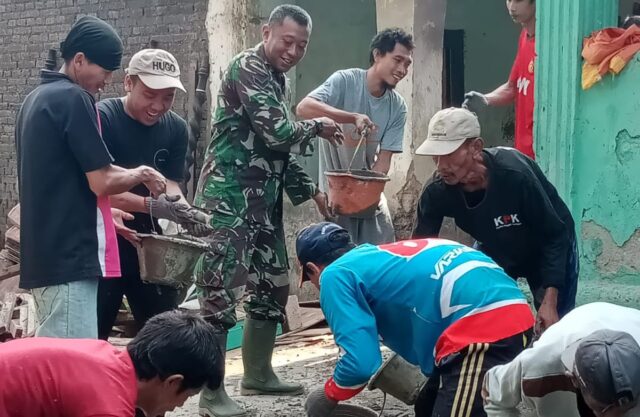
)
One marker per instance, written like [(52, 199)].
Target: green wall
[(491, 41), (607, 187), (342, 31), (588, 144)]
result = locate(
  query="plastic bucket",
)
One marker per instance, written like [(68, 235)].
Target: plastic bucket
[(168, 260), (353, 192), (399, 379)]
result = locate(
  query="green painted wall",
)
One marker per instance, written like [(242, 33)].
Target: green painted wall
[(607, 190), (491, 42), (588, 143), (342, 31)]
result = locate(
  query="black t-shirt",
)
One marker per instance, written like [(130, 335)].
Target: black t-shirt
[(520, 221), (162, 146), (62, 236)]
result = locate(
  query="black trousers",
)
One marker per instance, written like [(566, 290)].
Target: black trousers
[(145, 300), (455, 390)]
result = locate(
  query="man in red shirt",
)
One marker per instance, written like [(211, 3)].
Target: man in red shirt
[(170, 359), (519, 87)]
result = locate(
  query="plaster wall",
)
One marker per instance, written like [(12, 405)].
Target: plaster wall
[(607, 166)]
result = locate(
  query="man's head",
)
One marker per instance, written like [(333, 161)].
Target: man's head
[(151, 81), (390, 55), (91, 51), (522, 11), (454, 142), (317, 246), (174, 355), (605, 368), (286, 36)]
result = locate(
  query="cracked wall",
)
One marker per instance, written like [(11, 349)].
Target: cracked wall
[(606, 192)]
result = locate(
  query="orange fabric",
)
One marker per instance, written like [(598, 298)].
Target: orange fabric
[(608, 50)]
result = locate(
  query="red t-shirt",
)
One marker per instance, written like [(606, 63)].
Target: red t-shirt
[(44, 377), (522, 75)]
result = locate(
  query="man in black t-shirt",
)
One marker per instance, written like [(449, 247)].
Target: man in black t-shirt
[(65, 174), (140, 129), (503, 200)]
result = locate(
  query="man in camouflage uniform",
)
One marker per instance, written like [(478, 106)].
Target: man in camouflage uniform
[(247, 168)]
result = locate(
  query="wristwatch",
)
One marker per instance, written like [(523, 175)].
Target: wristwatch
[(319, 126)]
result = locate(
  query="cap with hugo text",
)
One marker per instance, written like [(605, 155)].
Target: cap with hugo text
[(156, 68)]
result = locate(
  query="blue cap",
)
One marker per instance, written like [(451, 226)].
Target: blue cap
[(320, 239)]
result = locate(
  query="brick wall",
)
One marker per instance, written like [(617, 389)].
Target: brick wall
[(29, 28)]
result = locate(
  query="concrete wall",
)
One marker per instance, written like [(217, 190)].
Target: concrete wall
[(607, 168), (491, 41), (29, 28)]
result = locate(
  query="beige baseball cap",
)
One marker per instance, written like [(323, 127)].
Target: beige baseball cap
[(157, 69), (448, 129)]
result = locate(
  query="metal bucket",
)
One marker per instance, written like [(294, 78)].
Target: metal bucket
[(352, 410), (168, 260), (353, 192), (399, 379)]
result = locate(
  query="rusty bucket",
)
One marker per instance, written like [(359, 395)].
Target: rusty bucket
[(353, 192), (399, 379), (168, 260)]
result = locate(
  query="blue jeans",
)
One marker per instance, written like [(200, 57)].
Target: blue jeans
[(68, 310)]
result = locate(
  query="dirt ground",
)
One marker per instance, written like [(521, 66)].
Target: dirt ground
[(310, 365)]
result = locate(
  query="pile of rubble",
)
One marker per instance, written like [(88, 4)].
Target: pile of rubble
[(17, 309)]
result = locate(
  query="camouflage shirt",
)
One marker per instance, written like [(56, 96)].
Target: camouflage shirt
[(248, 162)]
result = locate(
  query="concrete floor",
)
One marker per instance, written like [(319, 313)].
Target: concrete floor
[(310, 365)]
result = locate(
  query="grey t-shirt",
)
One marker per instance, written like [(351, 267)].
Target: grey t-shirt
[(347, 90)]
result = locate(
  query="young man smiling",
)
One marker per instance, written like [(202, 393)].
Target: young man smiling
[(365, 100), (141, 129), (520, 85)]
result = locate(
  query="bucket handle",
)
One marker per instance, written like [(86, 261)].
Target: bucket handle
[(363, 136)]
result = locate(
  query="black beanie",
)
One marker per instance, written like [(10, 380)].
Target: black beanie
[(97, 40)]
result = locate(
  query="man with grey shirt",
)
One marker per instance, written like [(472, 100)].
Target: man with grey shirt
[(365, 100)]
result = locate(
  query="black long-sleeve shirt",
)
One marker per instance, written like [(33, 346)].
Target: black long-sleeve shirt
[(520, 221)]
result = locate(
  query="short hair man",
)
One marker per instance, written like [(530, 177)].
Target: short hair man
[(520, 85), (65, 172), (586, 365), (169, 360), (141, 129), (503, 200), (365, 101), (440, 305), (248, 167)]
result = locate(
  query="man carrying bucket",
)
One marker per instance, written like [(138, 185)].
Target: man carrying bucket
[(141, 129), (438, 304), (365, 102), (503, 200), (248, 167)]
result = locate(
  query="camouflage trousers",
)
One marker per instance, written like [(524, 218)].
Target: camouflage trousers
[(243, 257)]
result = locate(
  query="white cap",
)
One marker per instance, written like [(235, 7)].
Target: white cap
[(448, 129), (156, 68)]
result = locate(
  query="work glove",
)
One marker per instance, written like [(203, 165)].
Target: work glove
[(474, 101), (168, 207), (318, 404)]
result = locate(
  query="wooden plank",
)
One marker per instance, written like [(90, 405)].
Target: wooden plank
[(310, 318), (10, 272), (293, 314), (27, 315)]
